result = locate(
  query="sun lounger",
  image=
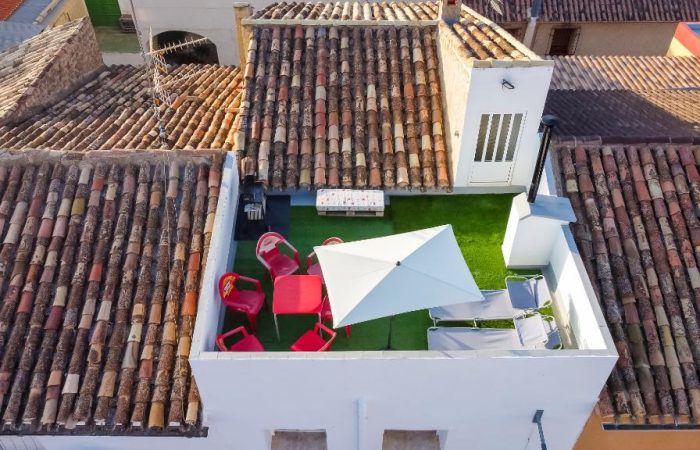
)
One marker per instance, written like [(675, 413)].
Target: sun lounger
[(528, 293), (553, 337), (496, 306), (459, 338), (531, 331)]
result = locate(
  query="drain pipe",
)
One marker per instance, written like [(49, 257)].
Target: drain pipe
[(535, 12)]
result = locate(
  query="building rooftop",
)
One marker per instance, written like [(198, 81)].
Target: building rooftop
[(12, 34), (30, 11), (480, 242), (626, 99), (8, 8), (112, 111), (363, 83), (637, 231), (374, 70), (103, 254), (26, 65), (593, 11), (479, 38), (635, 73), (350, 11)]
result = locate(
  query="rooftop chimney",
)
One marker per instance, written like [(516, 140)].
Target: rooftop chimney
[(450, 10), (535, 12), (241, 11)]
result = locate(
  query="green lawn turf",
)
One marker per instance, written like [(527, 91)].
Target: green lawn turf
[(479, 222)]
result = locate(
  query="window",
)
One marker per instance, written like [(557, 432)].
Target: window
[(498, 137), (410, 440), (563, 41), (293, 439)]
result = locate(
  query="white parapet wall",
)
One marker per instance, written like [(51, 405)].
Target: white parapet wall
[(473, 399), (550, 242)]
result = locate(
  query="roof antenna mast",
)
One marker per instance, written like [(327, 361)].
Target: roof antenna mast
[(157, 69)]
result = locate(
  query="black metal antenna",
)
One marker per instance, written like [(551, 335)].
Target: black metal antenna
[(548, 122)]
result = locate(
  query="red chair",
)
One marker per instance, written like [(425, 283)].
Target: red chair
[(312, 341), (269, 254), (314, 268), (249, 343), (246, 301), (327, 314)]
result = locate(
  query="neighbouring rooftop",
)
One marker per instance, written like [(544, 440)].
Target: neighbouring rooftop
[(27, 70), (100, 266), (638, 233), (349, 11), (112, 111), (349, 95), (329, 123), (592, 11), (478, 37), (626, 98)]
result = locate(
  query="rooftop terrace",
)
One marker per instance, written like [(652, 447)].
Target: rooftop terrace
[(479, 222)]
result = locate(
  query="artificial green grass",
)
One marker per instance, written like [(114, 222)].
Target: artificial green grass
[(478, 221)]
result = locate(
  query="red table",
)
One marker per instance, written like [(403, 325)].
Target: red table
[(296, 294)]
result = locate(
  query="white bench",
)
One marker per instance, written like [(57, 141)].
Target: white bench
[(350, 202)]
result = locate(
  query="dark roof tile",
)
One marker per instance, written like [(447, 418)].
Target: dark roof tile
[(92, 332), (340, 115), (593, 10), (640, 218)]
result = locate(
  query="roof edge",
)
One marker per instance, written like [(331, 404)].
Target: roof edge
[(532, 56), (338, 23)]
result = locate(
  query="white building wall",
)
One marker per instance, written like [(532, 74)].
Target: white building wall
[(488, 96), (213, 19), (480, 400), (472, 88), (455, 73)]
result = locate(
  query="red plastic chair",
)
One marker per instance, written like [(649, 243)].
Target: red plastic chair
[(311, 341), (249, 343), (314, 268), (246, 301), (327, 314), (269, 254)]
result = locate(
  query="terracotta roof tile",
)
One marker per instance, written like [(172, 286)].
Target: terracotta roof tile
[(349, 11), (627, 98), (484, 40), (101, 260), (112, 112), (638, 234), (636, 73), (626, 116), (593, 10), (8, 7), (343, 107), (478, 36), (22, 66)]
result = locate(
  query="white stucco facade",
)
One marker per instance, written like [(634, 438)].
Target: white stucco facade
[(472, 88)]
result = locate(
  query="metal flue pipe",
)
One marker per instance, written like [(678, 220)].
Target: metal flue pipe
[(548, 122)]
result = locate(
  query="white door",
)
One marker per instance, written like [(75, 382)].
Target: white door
[(496, 148)]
